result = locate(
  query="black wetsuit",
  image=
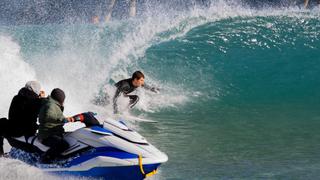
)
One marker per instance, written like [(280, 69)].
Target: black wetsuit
[(125, 86)]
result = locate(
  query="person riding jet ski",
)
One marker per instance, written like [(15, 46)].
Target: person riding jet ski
[(51, 121), (23, 113)]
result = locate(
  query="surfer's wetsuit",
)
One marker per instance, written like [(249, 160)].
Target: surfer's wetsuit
[(125, 86)]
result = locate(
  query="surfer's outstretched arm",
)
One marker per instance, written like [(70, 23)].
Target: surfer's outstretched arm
[(150, 88)]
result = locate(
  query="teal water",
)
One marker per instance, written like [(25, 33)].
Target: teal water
[(240, 94), (258, 116)]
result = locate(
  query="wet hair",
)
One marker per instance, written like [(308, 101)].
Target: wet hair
[(137, 75)]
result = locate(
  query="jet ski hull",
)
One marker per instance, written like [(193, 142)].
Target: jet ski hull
[(120, 172)]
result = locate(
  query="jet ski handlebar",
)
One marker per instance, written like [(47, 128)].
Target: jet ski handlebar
[(87, 118)]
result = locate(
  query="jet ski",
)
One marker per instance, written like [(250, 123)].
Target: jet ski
[(110, 150)]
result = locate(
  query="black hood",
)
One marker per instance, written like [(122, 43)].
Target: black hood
[(27, 93)]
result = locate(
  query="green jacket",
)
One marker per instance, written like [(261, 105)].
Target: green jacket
[(51, 119)]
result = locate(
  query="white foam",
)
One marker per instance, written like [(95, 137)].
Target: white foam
[(15, 169), (14, 72), (11, 169)]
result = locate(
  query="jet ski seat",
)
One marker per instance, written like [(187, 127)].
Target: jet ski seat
[(34, 141), (33, 144)]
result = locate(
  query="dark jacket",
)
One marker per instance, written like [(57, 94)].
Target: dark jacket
[(23, 114), (51, 119)]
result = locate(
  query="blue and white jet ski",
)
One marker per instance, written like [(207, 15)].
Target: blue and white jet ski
[(108, 151)]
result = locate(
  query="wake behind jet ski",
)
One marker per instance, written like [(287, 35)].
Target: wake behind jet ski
[(109, 151)]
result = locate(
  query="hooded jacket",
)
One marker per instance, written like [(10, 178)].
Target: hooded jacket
[(23, 114)]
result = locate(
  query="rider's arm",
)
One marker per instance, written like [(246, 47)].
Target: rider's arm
[(149, 88), (75, 118)]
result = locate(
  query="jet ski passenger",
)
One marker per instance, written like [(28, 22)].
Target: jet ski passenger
[(51, 121), (23, 113), (127, 86)]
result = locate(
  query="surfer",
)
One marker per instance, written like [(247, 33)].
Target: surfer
[(127, 86)]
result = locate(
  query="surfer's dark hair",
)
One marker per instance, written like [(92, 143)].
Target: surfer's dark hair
[(137, 75)]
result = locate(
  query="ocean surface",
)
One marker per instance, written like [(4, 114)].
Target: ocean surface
[(239, 87)]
